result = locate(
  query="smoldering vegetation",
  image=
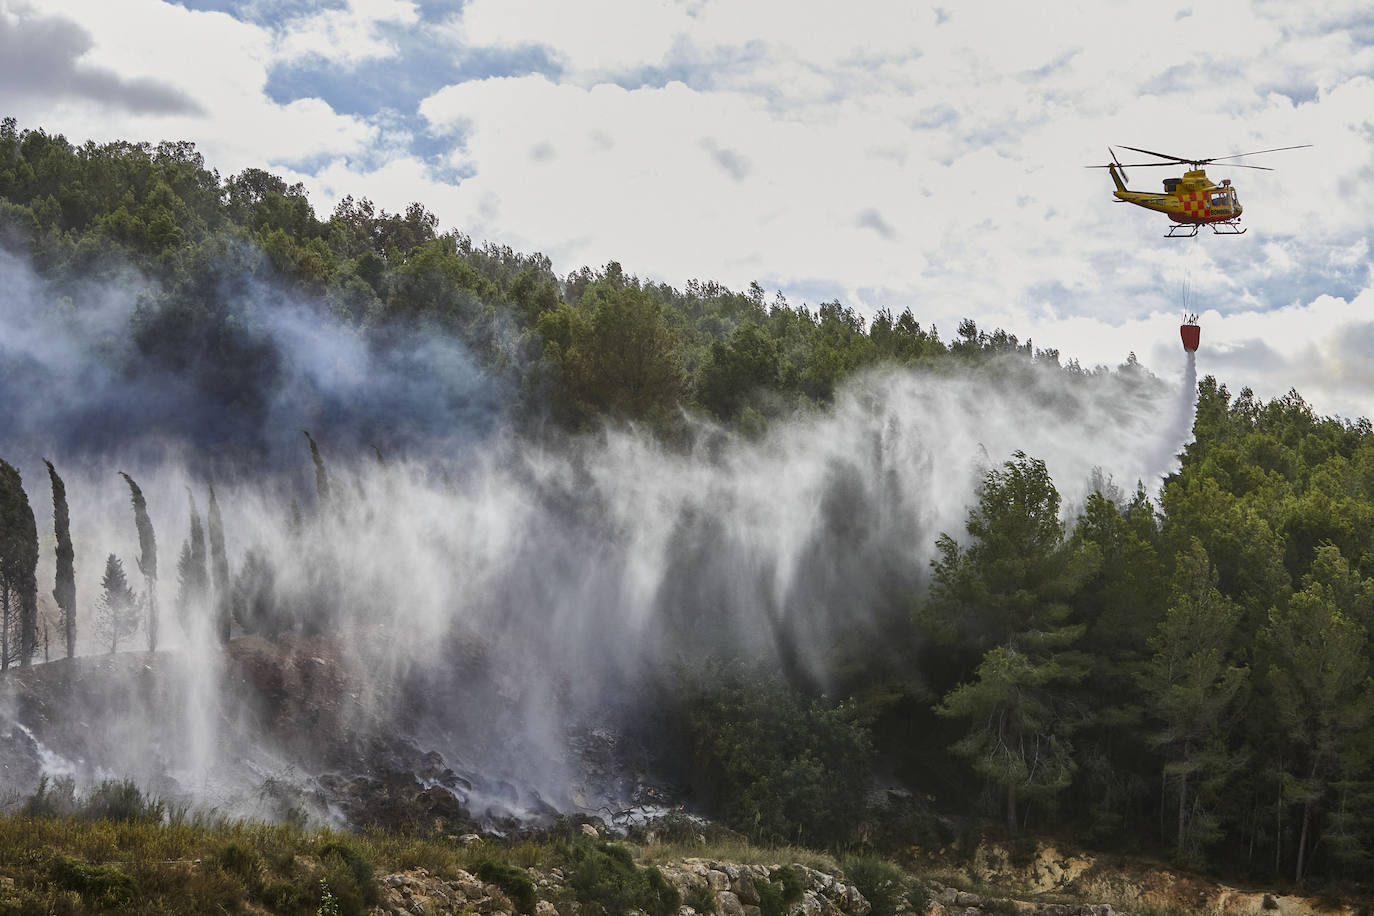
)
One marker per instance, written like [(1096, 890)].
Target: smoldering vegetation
[(422, 567)]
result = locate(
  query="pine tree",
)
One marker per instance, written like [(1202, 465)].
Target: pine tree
[(64, 590), (1323, 699), (1010, 587), (117, 612), (1193, 687)]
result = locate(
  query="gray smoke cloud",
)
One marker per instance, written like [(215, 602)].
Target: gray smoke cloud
[(122, 368)]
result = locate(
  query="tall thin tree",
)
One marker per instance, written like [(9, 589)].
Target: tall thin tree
[(147, 555), (219, 570), (321, 472), (192, 574), (18, 570), (64, 590)]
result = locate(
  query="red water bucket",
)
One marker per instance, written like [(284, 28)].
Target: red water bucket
[(1192, 336)]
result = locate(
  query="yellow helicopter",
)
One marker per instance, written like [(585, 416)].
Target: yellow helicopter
[(1192, 201)]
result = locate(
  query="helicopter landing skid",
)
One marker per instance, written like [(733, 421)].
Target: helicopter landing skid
[(1233, 227), (1190, 230)]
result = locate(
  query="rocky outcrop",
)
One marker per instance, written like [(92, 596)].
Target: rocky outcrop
[(1132, 885), (729, 887)]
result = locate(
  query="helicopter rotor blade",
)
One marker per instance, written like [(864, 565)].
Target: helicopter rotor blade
[(1152, 153), (1119, 167), (1258, 151)]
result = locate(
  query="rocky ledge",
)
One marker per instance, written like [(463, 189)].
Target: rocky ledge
[(731, 890)]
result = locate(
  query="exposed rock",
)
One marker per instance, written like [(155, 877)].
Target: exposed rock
[(727, 904), (855, 904), (744, 888)]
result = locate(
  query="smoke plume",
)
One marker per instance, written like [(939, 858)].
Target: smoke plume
[(487, 592)]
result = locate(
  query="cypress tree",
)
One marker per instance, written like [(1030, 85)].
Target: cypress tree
[(321, 472), (64, 590), (192, 573), (147, 556), (219, 570), (18, 569)]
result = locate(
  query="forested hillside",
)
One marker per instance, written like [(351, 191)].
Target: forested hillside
[(1182, 666)]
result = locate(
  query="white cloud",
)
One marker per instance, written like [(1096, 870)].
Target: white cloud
[(348, 35), (882, 151), (213, 59)]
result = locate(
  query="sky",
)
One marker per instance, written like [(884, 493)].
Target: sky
[(883, 153)]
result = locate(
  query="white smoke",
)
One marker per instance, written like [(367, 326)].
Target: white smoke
[(560, 583), (487, 595)]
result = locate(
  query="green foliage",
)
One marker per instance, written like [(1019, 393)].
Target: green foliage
[(122, 800), (117, 610), (780, 892), (349, 876), (617, 355), (55, 800), (605, 878), (242, 862), (514, 882), (1193, 685), (702, 901), (147, 555), (878, 880), (18, 571), (329, 904), (780, 768), (64, 590), (105, 887), (1007, 595)]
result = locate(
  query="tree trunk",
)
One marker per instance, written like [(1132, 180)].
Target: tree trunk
[(1182, 804), (1011, 810), (1278, 832), (1302, 842), (1182, 813)]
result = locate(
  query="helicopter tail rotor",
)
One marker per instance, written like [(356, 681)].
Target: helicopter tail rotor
[(1119, 167)]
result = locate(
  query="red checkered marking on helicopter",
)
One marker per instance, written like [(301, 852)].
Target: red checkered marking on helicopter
[(1196, 203)]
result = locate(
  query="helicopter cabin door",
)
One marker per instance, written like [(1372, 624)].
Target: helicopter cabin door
[(1222, 202)]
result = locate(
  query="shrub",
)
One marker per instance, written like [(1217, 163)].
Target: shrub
[(605, 878), (241, 862), (660, 898), (878, 880), (106, 887), (514, 882), (56, 802), (700, 898), (778, 768), (121, 800), (780, 892), (349, 877)]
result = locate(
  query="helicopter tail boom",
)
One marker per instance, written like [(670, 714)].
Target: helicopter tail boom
[(1116, 177)]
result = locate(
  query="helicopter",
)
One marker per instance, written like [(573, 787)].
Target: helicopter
[(1192, 201)]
